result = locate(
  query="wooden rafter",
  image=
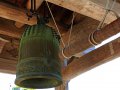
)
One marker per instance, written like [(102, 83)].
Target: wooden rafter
[(7, 28), (38, 4), (82, 41), (91, 8), (2, 44), (7, 66), (62, 87), (97, 57), (15, 14)]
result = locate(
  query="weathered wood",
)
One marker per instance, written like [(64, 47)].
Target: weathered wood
[(38, 3), (91, 8), (97, 57), (108, 31), (10, 51), (15, 14), (7, 28), (62, 87), (8, 59), (80, 39), (7, 66), (2, 44), (80, 35), (19, 25)]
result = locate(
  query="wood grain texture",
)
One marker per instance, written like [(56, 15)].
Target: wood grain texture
[(92, 60), (80, 38), (7, 28), (7, 66), (91, 8), (2, 44), (38, 4), (15, 14), (62, 87)]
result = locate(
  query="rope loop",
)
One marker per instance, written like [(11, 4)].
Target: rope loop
[(92, 40)]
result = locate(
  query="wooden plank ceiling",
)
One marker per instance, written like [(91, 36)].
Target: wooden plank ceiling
[(91, 8), (88, 13)]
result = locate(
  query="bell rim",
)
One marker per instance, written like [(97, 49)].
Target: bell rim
[(49, 76)]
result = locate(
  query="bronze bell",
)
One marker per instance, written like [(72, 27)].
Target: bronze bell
[(39, 64)]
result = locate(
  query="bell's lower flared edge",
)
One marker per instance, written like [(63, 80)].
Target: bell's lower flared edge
[(36, 73), (38, 80)]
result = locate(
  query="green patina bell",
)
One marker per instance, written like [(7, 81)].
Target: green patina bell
[(39, 64)]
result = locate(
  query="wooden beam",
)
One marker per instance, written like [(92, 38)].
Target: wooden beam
[(15, 14), (91, 8), (95, 58), (118, 1), (2, 44), (80, 40), (7, 28), (8, 58), (64, 86), (7, 66), (79, 37), (38, 4), (106, 32), (19, 25)]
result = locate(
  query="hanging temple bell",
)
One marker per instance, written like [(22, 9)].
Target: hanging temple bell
[(39, 64)]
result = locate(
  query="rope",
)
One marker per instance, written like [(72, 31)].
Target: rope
[(91, 36), (92, 39), (64, 54), (55, 24), (72, 21), (73, 17), (106, 13), (64, 46)]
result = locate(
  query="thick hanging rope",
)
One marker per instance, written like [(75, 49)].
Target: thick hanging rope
[(108, 9), (71, 28), (59, 30), (55, 23)]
